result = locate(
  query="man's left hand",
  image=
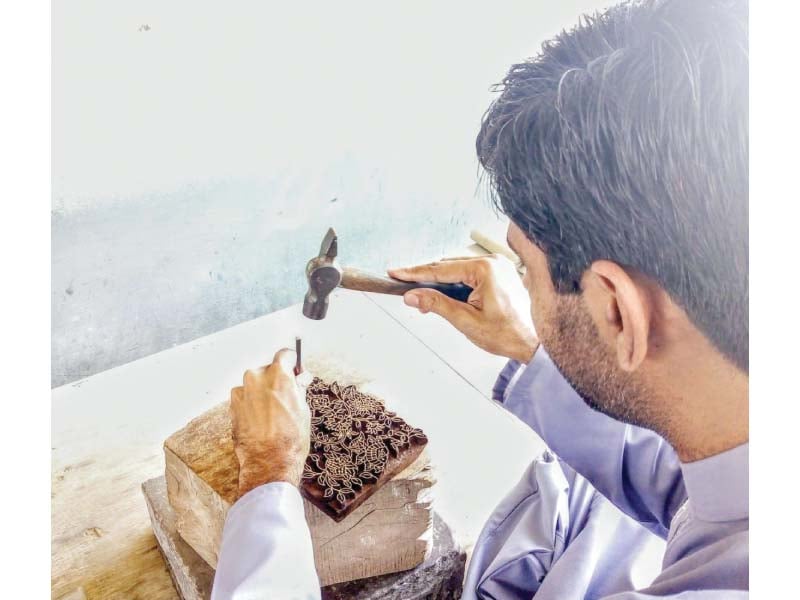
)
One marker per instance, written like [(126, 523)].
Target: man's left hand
[(271, 425)]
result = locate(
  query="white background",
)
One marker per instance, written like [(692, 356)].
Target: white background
[(201, 150)]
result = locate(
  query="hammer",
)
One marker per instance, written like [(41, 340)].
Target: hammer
[(324, 275)]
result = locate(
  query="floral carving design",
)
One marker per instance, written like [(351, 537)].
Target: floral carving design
[(353, 437)]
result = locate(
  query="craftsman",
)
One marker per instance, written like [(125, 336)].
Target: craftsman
[(620, 156)]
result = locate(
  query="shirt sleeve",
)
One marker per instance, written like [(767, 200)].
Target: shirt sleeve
[(636, 469), (266, 549)]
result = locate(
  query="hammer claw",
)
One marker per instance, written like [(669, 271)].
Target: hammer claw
[(330, 245)]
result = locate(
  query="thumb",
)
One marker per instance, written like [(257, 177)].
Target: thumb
[(285, 360), (459, 314)]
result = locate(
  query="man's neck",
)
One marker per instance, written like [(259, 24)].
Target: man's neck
[(709, 409)]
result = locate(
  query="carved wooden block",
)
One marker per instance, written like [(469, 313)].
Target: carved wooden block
[(356, 447), (389, 532)]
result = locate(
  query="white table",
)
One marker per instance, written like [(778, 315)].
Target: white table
[(107, 430)]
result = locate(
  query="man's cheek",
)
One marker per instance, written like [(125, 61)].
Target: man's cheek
[(537, 315), (526, 279), (531, 288)]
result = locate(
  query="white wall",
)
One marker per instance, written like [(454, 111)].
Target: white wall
[(198, 149)]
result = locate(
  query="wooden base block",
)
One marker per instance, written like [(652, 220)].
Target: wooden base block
[(439, 577), (390, 532), (191, 575)]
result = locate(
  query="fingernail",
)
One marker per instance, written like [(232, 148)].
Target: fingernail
[(411, 300)]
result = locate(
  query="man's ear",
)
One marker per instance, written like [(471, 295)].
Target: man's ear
[(627, 310)]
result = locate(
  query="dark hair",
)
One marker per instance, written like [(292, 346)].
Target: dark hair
[(626, 139)]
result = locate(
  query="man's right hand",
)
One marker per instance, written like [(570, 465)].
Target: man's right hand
[(497, 315)]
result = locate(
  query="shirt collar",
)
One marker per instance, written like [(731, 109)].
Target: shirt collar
[(718, 486)]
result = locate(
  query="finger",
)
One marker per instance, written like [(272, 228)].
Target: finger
[(454, 271), (285, 359), (237, 394), (304, 380), (253, 376), (237, 399), (459, 314)]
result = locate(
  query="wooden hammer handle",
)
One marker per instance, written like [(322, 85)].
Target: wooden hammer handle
[(355, 279)]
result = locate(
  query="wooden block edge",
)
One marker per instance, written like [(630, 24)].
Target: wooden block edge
[(200, 512)]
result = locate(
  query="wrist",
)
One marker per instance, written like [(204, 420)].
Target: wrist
[(260, 467), (525, 352), (252, 476)]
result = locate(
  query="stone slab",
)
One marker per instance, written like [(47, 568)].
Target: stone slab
[(439, 577)]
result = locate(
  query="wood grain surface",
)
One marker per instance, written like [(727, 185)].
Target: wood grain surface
[(390, 532)]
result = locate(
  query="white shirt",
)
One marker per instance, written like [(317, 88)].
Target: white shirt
[(266, 548)]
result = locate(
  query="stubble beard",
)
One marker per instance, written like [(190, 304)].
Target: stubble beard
[(571, 339)]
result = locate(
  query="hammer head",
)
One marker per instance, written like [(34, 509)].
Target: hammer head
[(324, 275)]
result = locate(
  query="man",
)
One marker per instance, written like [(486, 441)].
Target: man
[(620, 155)]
